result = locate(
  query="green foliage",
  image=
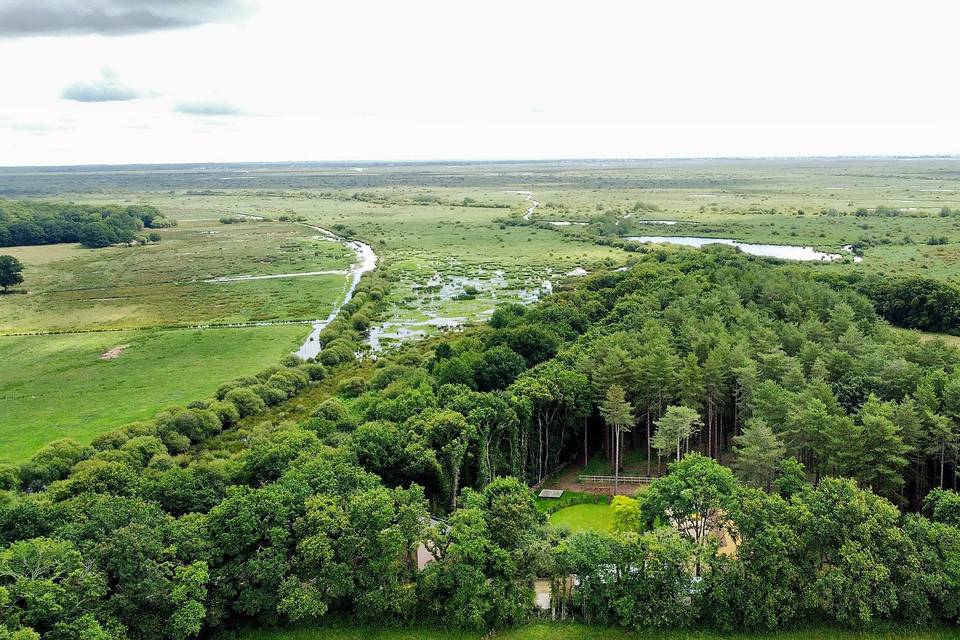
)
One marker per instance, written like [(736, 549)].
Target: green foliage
[(626, 515), (759, 453), (35, 223), (694, 495), (11, 272), (675, 428)]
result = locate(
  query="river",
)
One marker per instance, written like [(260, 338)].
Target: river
[(782, 251), (366, 262)]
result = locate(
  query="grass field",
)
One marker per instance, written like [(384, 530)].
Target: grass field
[(583, 517), (56, 386), (561, 631), (73, 288), (435, 250), (437, 228)]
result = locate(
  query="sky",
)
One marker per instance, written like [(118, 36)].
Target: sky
[(156, 81)]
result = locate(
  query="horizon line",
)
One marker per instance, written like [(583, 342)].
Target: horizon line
[(375, 162)]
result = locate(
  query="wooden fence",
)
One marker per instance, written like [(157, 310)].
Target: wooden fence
[(624, 479)]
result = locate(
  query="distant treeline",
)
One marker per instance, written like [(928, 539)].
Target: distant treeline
[(911, 302), (25, 223)]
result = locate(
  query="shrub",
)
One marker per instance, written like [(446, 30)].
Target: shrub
[(9, 477), (53, 462), (289, 380), (247, 402), (227, 412), (143, 448), (313, 370), (352, 387), (269, 395)]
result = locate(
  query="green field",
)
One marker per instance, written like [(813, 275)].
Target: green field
[(584, 517), (73, 288), (57, 386), (562, 631), (439, 231)]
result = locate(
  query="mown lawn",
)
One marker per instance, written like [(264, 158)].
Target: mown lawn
[(584, 517), (56, 386), (562, 631)]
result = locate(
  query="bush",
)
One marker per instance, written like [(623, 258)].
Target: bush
[(9, 477), (270, 395), (227, 412), (195, 424), (53, 462), (110, 440), (144, 448), (290, 381), (247, 402), (352, 387), (313, 370)]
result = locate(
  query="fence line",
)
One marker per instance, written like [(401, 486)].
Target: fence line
[(627, 479)]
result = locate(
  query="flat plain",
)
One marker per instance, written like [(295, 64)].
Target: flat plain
[(452, 239)]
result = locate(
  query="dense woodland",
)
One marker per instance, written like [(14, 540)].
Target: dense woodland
[(822, 439), (913, 302), (24, 223)]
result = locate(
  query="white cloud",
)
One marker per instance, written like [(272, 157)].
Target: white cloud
[(537, 79), (108, 88), (208, 108)]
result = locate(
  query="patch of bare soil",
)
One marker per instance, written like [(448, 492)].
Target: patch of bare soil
[(114, 353)]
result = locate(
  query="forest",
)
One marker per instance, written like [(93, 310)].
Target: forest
[(26, 223), (791, 416)]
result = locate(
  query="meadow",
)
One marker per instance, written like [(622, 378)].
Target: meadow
[(168, 284), (583, 517), (56, 386), (441, 232), (83, 302)]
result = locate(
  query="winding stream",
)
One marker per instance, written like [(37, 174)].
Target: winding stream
[(529, 197), (366, 262)]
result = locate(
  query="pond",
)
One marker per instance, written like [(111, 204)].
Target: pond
[(782, 251)]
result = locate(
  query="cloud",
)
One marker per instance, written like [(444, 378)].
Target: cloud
[(20, 18), (36, 127), (108, 88), (208, 108)]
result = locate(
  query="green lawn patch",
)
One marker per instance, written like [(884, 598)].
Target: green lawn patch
[(584, 517)]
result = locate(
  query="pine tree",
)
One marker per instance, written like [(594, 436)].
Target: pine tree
[(676, 426), (759, 452), (881, 451), (618, 414)]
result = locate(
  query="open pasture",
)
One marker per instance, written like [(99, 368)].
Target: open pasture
[(169, 283), (92, 300), (440, 232), (57, 386)]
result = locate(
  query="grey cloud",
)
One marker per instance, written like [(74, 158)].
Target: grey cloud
[(107, 89), (19, 18), (208, 108)]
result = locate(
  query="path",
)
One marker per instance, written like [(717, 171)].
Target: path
[(336, 272)]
